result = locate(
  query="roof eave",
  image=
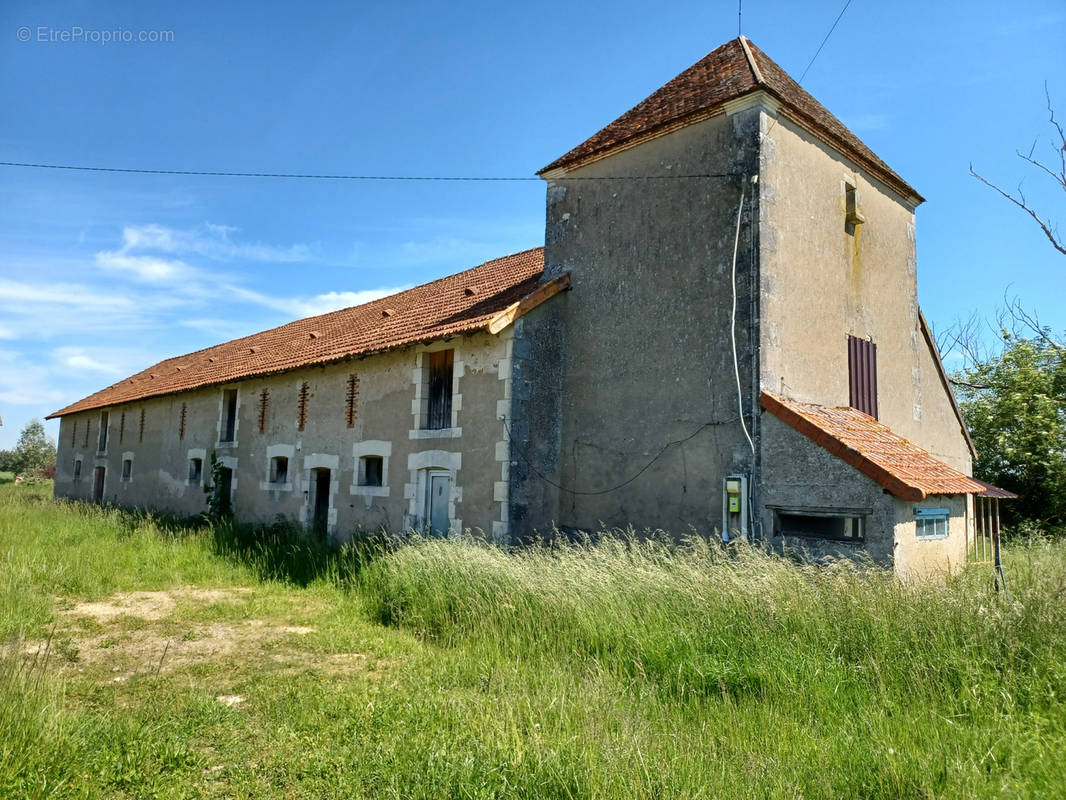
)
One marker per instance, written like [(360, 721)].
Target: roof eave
[(493, 326), (559, 168)]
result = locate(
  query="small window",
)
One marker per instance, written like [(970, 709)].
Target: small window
[(820, 526), (931, 523), (229, 415), (439, 408), (862, 375), (77, 470), (196, 469), (127, 469), (279, 469), (371, 470), (102, 441)]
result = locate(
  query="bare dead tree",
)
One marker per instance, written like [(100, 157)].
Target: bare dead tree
[(973, 338), (1059, 176)]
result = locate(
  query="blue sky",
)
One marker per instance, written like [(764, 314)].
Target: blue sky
[(104, 274)]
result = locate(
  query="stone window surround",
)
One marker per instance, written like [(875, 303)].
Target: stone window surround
[(420, 379), (200, 453), (371, 447), (501, 489), (230, 445), (104, 434), (320, 461), (127, 479), (420, 465), (273, 451)]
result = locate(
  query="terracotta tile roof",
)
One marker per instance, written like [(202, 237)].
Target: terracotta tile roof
[(903, 468), (995, 491), (460, 303), (703, 89)]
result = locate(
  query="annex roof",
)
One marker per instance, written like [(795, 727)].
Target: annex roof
[(487, 296), (901, 467), (702, 90), (994, 491)]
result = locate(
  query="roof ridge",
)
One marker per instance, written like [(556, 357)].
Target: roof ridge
[(751, 61)]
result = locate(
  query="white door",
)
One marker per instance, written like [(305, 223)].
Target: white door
[(440, 487)]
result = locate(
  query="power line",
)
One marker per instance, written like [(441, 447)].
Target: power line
[(826, 39), (817, 52), (343, 177)]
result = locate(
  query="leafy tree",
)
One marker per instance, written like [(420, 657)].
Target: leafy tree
[(35, 451), (1015, 407), (8, 461)]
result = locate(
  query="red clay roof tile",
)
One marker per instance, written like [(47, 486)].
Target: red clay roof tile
[(903, 468), (432, 311), (704, 88)]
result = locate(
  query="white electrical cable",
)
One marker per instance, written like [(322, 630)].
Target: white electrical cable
[(733, 323)]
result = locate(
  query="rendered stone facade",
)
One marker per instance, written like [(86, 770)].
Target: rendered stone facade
[(720, 241)]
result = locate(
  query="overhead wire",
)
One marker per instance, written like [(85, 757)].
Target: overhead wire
[(353, 177), (817, 52)]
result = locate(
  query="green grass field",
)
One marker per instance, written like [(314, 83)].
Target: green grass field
[(146, 658)]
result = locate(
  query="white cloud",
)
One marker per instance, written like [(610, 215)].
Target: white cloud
[(310, 306), (79, 358), (15, 294), (148, 269), (7, 333), (212, 241)]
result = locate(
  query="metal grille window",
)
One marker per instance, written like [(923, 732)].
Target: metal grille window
[(816, 525), (439, 410), (862, 375)]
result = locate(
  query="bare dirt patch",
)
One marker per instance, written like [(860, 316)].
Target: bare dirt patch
[(152, 605), (166, 644)]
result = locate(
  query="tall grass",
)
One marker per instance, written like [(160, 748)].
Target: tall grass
[(909, 688), (629, 668)]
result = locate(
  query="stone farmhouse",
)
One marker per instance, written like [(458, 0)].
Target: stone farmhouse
[(721, 333)]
